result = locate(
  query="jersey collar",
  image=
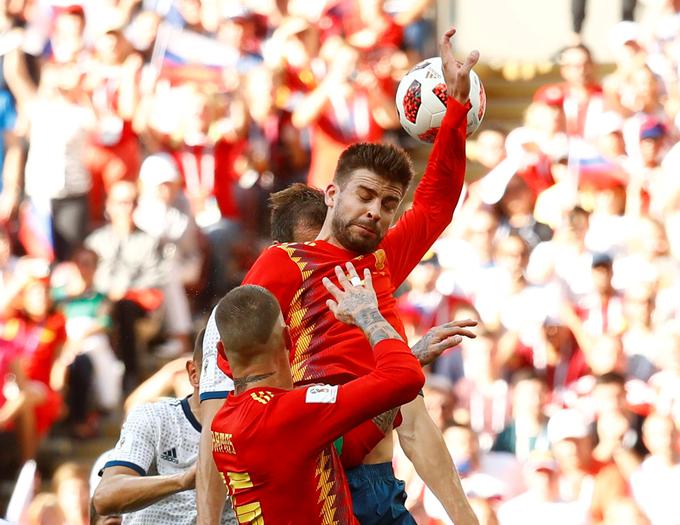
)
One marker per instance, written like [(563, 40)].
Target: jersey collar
[(189, 414)]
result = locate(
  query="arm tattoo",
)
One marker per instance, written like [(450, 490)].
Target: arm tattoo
[(384, 421), (375, 327), (240, 383)]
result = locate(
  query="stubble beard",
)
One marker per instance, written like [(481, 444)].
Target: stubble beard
[(350, 241)]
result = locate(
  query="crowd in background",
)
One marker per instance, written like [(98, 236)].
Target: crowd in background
[(141, 139)]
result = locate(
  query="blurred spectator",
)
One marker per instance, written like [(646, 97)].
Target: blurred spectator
[(70, 482), (131, 273), (162, 213), (578, 14), (94, 374), (579, 95), (57, 180), (652, 484), (527, 430), (494, 475), (541, 502), (582, 480), (33, 334), (45, 510)]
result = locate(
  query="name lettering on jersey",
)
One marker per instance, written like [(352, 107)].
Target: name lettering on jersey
[(222, 443), (263, 396), (250, 513), (170, 455), (321, 394)]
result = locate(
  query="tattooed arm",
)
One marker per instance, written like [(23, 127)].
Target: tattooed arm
[(358, 305)]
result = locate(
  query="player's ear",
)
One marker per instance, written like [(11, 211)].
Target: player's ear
[(330, 194), (193, 373)]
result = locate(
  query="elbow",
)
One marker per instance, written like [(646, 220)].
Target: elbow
[(103, 503), (411, 384)]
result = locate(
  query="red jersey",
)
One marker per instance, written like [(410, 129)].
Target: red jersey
[(274, 448), (323, 348)]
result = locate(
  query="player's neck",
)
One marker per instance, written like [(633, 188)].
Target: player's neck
[(278, 378), (326, 234), (195, 404)]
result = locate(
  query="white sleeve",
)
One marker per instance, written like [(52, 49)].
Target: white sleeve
[(136, 447), (214, 383)]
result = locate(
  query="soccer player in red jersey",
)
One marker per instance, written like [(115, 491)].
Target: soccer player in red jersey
[(274, 444), (369, 184)]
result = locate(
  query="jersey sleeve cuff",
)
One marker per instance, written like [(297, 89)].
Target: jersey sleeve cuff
[(139, 470), (391, 345), (220, 394), (456, 113)]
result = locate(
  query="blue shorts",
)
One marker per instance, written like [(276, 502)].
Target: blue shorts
[(377, 496)]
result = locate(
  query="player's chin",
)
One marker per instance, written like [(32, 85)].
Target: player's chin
[(363, 245)]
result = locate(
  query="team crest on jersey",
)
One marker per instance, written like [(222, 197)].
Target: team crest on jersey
[(321, 394), (379, 259)]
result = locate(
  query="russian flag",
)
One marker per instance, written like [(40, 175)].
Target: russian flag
[(181, 55)]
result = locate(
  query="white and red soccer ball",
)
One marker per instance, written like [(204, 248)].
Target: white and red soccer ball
[(421, 100)]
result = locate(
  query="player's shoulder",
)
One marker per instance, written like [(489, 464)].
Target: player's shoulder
[(159, 410), (211, 336)]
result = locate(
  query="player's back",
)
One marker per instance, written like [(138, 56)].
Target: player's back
[(323, 348), (264, 458)]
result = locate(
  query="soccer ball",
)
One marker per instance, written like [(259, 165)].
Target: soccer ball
[(421, 100)]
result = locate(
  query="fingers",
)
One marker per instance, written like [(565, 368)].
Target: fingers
[(452, 341), (332, 306), (445, 46), (342, 278), (462, 323), (332, 289), (368, 279), (448, 331), (470, 62), (352, 271)]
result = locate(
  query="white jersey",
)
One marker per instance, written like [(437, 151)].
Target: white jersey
[(162, 438), (214, 384)]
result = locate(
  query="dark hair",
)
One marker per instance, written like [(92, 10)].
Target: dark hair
[(197, 356), (385, 160), (527, 374), (580, 47), (296, 205), (611, 378), (245, 318)]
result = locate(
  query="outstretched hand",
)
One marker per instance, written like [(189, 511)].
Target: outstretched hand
[(354, 297), (441, 338), (457, 75)]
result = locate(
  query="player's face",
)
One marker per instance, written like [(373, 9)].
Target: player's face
[(363, 210)]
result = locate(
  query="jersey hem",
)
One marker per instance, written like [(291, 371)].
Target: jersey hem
[(127, 464)]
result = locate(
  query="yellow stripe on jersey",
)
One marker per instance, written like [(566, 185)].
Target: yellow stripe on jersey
[(250, 513), (239, 480)]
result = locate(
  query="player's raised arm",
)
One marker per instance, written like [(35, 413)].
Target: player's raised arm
[(438, 192)]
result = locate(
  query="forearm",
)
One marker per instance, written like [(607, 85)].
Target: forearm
[(445, 171), (425, 448), (210, 490), (126, 493), (375, 327), (310, 108)]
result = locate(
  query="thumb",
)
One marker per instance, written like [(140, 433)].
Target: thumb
[(470, 62)]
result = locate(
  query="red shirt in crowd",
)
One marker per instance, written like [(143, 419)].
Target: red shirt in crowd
[(270, 443)]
